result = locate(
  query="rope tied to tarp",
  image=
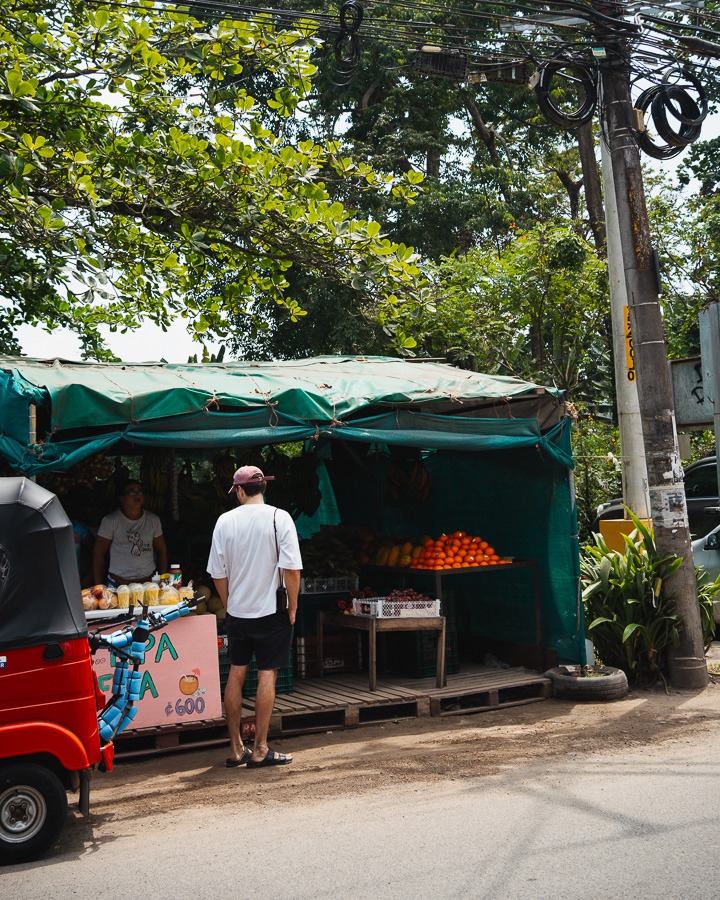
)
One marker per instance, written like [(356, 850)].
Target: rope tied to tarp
[(273, 419), (212, 403), (38, 447), (333, 423)]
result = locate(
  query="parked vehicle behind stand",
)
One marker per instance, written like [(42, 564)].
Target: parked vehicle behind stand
[(701, 494)]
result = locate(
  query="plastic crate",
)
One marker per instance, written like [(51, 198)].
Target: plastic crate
[(329, 584), (308, 608), (382, 608), (426, 644), (426, 655), (342, 653), (284, 684)]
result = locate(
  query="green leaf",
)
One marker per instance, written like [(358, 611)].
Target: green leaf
[(629, 632)]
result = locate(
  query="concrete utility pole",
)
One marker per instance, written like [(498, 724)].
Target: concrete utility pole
[(632, 447), (665, 478)]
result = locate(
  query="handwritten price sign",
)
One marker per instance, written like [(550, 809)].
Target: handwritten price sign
[(181, 675)]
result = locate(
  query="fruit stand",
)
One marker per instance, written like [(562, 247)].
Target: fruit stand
[(379, 460)]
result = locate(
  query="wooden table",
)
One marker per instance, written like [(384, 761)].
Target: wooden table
[(403, 574), (373, 626)]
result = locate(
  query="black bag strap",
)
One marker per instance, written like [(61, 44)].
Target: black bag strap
[(281, 578)]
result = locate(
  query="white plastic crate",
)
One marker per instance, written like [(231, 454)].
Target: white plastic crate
[(329, 585), (382, 608)]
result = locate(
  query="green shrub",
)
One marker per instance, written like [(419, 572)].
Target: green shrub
[(631, 622)]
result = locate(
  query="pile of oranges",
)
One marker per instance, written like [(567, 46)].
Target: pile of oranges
[(456, 551)]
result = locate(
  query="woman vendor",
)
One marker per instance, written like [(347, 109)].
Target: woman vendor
[(134, 539)]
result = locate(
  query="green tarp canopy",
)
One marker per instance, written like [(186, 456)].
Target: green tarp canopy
[(84, 408)]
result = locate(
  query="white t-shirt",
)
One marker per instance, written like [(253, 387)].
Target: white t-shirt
[(131, 552), (243, 551)]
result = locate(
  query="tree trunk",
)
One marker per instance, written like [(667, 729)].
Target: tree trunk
[(486, 135), (593, 187), (573, 192)]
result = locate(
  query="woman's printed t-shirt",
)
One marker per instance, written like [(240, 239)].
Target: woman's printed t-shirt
[(131, 552)]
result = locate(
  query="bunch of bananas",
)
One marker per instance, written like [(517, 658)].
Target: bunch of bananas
[(223, 468), (198, 505), (155, 470), (296, 487), (306, 485), (253, 456), (280, 491), (403, 485)]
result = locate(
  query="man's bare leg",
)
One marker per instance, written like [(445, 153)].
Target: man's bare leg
[(264, 703), (233, 708)]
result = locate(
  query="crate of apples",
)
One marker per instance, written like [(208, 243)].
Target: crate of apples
[(457, 551)]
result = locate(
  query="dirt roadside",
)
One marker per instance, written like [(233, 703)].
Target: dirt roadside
[(339, 763)]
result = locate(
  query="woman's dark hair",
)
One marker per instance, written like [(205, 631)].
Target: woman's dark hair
[(126, 485)]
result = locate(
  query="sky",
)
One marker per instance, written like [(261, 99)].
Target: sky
[(147, 344), (150, 343)]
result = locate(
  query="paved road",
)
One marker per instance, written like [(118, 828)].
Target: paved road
[(638, 823)]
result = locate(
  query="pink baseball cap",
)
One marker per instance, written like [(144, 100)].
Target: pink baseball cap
[(249, 475)]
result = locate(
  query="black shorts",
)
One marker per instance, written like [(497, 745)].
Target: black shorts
[(269, 637)]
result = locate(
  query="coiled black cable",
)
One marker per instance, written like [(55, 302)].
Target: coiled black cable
[(662, 102), (644, 141), (583, 79), (702, 104)]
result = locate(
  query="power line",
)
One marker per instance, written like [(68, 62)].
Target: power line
[(492, 42)]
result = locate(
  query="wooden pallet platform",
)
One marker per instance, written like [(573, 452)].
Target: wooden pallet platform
[(139, 742), (345, 701)]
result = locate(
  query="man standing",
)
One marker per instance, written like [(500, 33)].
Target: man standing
[(251, 546)]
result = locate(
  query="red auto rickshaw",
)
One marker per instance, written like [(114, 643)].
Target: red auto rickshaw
[(55, 726), (49, 698)]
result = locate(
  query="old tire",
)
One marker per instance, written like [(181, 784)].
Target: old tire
[(610, 684), (33, 807)]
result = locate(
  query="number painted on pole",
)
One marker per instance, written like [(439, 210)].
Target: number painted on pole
[(629, 348)]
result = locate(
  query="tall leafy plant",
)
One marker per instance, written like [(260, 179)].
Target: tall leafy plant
[(630, 619)]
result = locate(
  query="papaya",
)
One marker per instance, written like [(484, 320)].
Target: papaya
[(416, 551), (381, 558), (394, 555), (406, 549), (404, 560)]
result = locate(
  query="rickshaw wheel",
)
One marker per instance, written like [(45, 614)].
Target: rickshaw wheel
[(33, 807)]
